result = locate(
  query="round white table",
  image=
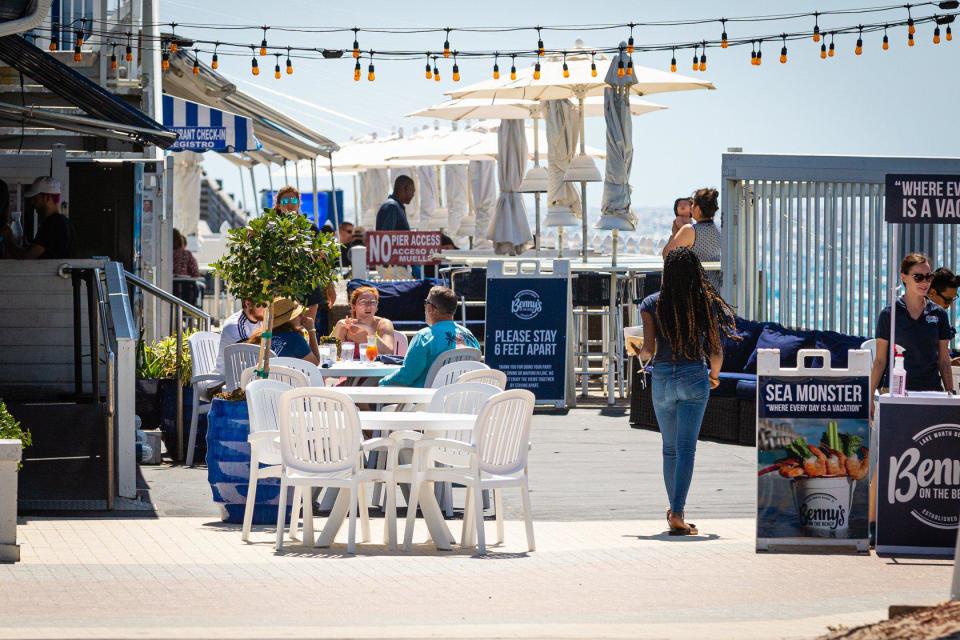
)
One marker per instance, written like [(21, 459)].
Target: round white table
[(354, 369), (426, 421), (387, 395)]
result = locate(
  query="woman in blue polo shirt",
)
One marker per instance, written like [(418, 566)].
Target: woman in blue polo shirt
[(923, 331)]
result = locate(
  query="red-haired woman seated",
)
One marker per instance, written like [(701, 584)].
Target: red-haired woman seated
[(364, 323)]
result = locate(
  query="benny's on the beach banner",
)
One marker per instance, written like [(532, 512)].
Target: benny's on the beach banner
[(812, 456)]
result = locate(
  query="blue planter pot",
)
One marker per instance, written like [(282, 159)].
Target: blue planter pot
[(228, 465)]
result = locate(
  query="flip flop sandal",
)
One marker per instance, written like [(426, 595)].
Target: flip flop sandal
[(690, 530)]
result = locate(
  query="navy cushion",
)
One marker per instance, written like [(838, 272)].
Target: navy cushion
[(736, 353), (729, 382), (400, 300), (747, 389), (776, 337), (838, 345)]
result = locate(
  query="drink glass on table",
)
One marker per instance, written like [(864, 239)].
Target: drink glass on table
[(346, 351), (371, 350)]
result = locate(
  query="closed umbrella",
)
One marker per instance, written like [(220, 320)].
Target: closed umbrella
[(509, 230), (456, 188), (374, 188), (562, 135), (615, 207), (428, 190), (483, 190)]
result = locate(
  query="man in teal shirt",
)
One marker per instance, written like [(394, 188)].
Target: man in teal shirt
[(442, 334)]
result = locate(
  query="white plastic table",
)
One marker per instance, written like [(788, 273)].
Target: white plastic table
[(429, 423), (354, 369), (388, 395)]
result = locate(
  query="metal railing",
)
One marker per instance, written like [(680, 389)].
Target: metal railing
[(179, 308)]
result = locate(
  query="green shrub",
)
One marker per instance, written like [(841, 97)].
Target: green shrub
[(10, 429)]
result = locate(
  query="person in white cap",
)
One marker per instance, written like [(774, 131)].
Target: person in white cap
[(54, 237)]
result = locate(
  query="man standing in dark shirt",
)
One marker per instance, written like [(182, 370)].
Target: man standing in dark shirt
[(392, 215), (54, 238)]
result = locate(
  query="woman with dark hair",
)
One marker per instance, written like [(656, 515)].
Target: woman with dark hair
[(682, 325), (703, 236), (922, 330)]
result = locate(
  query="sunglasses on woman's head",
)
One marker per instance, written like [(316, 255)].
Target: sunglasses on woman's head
[(922, 277), (289, 200)]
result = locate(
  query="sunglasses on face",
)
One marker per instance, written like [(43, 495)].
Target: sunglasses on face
[(427, 302), (922, 277), (948, 300), (369, 302), (289, 200)]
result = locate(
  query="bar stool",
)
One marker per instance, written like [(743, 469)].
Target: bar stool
[(591, 298)]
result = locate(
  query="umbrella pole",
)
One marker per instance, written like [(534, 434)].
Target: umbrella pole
[(286, 177), (616, 239), (333, 204), (356, 208), (255, 208), (536, 196), (583, 185)]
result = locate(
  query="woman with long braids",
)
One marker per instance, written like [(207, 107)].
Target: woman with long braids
[(682, 325)]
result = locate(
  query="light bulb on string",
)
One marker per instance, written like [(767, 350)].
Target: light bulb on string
[(356, 71), (427, 71), (113, 60), (886, 40), (456, 68), (694, 66), (703, 59), (593, 64), (446, 44), (356, 45), (566, 69), (630, 64), (630, 40), (540, 49), (79, 34), (513, 67), (254, 65), (910, 41), (436, 70), (77, 53), (173, 37), (536, 71), (753, 53), (215, 62), (289, 63), (816, 27), (936, 35), (54, 45), (276, 68), (165, 61), (196, 63), (759, 53), (831, 50), (949, 34), (823, 50), (128, 51), (858, 50), (371, 74), (911, 27), (783, 50), (263, 43), (496, 66), (723, 36)]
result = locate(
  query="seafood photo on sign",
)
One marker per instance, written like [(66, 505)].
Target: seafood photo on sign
[(812, 478)]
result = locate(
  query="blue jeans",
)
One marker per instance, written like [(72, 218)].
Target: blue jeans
[(680, 393)]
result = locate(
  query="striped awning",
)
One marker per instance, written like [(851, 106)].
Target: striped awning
[(202, 128)]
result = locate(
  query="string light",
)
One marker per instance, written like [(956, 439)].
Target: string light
[(356, 71), (593, 64), (753, 53), (254, 66), (540, 49), (949, 34), (113, 60), (173, 37), (566, 69), (909, 39), (496, 67), (54, 45), (263, 43), (427, 71), (215, 62), (816, 27), (630, 65), (823, 50), (621, 70), (436, 70), (371, 75), (513, 67), (630, 40), (165, 61), (289, 63), (783, 50), (536, 71), (446, 44), (276, 68), (936, 35), (703, 59), (128, 52), (196, 63), (83, 23), (759, 52), (673, 62), (356, 45), (886, 39), (831, 50), (456, 68), (858, 50), (723, 36), (77, 54), (911, 27)]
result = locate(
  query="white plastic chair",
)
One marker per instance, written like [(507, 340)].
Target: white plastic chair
[(445, 358), (401, 342), (871, 346), (321, 445), (311, 370), (451, 372), (494, 377), (237, 358), (263, 399), (203, 347), (292, 377), (497, 459)]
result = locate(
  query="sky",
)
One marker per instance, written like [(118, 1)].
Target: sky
[(894, 103)]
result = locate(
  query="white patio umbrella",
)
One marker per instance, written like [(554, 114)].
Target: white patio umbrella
[(483, 192), (578, 82), (615, 208), (509, 230)]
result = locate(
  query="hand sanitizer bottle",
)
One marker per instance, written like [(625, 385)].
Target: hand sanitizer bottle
[(898, 377)]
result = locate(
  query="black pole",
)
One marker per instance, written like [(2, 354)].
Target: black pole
[(77, 336), (94, 335)]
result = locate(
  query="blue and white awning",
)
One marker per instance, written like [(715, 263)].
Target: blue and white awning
[(202, 128)]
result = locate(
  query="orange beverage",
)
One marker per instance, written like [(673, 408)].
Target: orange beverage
[(371, 351)]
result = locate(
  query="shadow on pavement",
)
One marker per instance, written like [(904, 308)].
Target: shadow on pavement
[(666, 537)]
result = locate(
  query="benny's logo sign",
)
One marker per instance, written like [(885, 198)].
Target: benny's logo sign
[(526, 304)]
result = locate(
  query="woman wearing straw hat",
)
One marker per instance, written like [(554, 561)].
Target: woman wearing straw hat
[(289, 323)]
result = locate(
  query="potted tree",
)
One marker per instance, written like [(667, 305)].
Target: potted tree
[(12, 441), (277, 255)]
